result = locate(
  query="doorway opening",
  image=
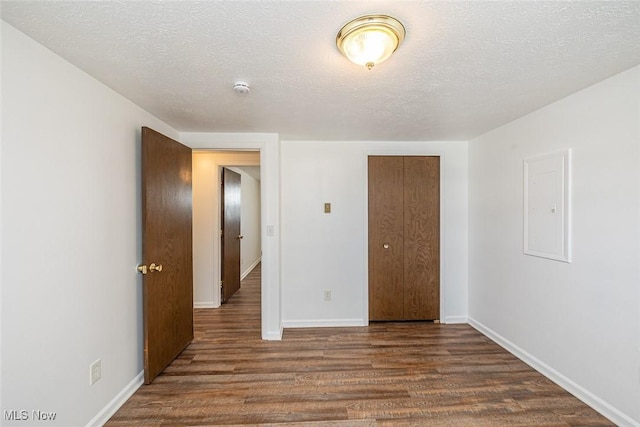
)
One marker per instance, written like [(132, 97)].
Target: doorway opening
[(208, 249)]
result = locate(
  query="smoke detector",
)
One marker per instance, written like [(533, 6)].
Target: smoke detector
[(241, 87)]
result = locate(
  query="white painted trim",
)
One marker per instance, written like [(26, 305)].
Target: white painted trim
[(250, 269), (443, 234), (456, 320), (204, 304), (324, 323), (273, 336), (578, 391), (365, 250), (112, 407)]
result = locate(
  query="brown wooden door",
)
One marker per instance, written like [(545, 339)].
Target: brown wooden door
[(386, 230), (421, 238), (404, 238), (166, 242), (231, 237)]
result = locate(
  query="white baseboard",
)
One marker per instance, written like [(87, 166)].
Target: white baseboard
[(250, 269), (454, 320), (208, 304), (115, 404), (322, 323), (578, 391), (273, 335)]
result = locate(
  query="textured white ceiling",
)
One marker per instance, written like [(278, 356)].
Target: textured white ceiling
[(465, 67)]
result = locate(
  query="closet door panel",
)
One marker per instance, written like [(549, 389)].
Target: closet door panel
[(386, 247), (421, 238)]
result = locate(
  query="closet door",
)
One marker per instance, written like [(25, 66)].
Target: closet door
[(421, 238), (404, 238), (386, 258)]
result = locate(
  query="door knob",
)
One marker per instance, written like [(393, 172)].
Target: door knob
[(240, 237), (386, 246), (142, 269), (155, 267)]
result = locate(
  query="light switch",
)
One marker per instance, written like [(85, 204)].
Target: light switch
[(327, 208)]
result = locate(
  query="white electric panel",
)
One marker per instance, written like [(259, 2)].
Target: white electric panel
[(547, 186)]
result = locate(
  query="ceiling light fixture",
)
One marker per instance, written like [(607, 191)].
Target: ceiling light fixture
[(370, 39)]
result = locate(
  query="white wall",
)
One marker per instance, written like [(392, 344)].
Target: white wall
[(329, 251), (206, 220), (70, 235), (1, 245), (578, 322)]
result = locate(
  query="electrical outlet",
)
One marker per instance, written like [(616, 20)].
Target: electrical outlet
[(95, 372), (327, 294)]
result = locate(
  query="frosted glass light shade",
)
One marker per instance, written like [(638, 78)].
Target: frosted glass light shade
[(371, 39)]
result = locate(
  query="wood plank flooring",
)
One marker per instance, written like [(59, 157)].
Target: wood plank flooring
[(407, 374)]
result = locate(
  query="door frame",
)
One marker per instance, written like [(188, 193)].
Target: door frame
[(268, 145), (404, 152)]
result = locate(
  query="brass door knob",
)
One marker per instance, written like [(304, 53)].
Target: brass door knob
[(142, 269), (155, 267)]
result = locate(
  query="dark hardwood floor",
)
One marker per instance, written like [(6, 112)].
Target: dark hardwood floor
[(419, 374)]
